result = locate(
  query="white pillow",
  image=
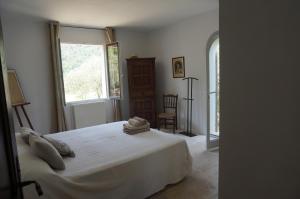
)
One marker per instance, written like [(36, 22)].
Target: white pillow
[(25, 132), (43, 149), (63, 148)]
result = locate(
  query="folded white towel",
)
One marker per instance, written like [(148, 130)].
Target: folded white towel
[(136, 125), (133, 132), (131, 127)]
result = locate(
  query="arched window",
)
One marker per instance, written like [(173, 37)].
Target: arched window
[(213, 85)]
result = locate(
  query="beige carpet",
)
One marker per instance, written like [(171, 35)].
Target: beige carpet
[(202, 183)]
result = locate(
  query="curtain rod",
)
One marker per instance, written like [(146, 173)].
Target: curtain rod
[(91, 28)]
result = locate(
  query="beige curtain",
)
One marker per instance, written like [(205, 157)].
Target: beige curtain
[(116, 105), (116, 102), (110, 35), (57, 72)]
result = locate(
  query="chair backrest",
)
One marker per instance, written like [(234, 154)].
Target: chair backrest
[(170, 102)]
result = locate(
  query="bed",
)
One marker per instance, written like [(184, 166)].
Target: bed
[(109, 164)]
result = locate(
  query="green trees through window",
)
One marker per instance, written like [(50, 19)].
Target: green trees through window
[(83, 71)]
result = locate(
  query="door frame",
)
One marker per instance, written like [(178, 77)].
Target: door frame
[(209, 144)]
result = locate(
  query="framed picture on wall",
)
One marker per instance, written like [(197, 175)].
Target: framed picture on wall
[(178, 67)]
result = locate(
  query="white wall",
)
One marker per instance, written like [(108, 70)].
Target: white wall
[(27, 49), (187, 38), (27, 45)]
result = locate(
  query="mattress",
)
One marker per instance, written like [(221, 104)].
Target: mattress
[(109, 164)]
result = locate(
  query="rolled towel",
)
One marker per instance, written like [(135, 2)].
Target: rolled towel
[(134, 122), (142, 120), (137, 121)]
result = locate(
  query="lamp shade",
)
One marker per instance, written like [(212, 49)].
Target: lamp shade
[(16, 94)]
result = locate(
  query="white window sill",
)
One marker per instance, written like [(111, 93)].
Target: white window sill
[(114, 98), (91, 101)]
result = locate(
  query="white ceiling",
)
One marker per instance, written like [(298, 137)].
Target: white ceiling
[(141, 14)]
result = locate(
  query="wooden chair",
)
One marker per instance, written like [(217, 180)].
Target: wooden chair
[(169, 116)]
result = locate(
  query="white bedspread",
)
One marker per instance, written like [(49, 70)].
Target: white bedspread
[(109, 164)]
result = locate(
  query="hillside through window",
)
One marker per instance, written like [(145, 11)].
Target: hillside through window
[(84, 72)]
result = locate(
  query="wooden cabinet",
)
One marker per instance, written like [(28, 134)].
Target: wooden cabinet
[(141, 85)]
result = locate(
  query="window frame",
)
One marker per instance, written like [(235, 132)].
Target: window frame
[(108, 67)]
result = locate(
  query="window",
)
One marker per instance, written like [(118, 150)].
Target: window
[(84, 73), (112, 51), (90, 68)]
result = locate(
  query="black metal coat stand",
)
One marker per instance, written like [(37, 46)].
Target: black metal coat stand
[(189, 101)]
